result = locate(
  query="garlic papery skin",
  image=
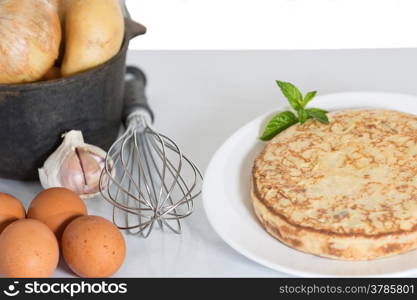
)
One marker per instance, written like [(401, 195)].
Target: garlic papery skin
[(75, 165)]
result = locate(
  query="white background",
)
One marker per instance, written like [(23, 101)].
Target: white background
[(275, 24)]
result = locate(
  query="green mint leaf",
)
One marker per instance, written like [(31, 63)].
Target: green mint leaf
[(302, 115), (318, 114), (286, 119), (292, 93), (308, 97), (318, 110), (278, 123)]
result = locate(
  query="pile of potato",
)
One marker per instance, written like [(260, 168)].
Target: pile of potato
[(47, 39)]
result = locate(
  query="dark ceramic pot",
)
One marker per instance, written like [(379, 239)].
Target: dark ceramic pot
[(33, 116)]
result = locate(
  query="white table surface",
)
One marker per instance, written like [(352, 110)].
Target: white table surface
[(201, 98)]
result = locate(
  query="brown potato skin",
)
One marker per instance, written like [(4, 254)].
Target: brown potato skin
[(94, 31)]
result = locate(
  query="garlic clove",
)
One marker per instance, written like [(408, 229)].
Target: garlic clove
[(71, 174), (74, 165), (92, 165)]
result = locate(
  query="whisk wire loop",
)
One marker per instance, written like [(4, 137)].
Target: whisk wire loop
[(147, 177)]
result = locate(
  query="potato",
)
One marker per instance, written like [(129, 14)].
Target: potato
[(30, 34), (94, 31)]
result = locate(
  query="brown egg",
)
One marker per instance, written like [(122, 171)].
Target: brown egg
[(56, 207), (28, 249), (93, 247), (11, 210)]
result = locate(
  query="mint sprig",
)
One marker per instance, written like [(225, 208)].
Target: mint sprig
[(285, 119)]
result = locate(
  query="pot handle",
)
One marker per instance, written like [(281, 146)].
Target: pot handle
[(134, 95), (133, 29)]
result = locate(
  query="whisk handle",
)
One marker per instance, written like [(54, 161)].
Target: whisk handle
[(134, 95)]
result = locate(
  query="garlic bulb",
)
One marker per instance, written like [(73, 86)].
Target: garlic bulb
[(75, 165)]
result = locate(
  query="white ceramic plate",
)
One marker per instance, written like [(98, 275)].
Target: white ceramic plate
[(227, 202)]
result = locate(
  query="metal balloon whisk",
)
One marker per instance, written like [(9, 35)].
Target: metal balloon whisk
[(146, 176)]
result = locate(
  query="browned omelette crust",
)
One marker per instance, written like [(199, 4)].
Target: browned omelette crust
[(347, 190)]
